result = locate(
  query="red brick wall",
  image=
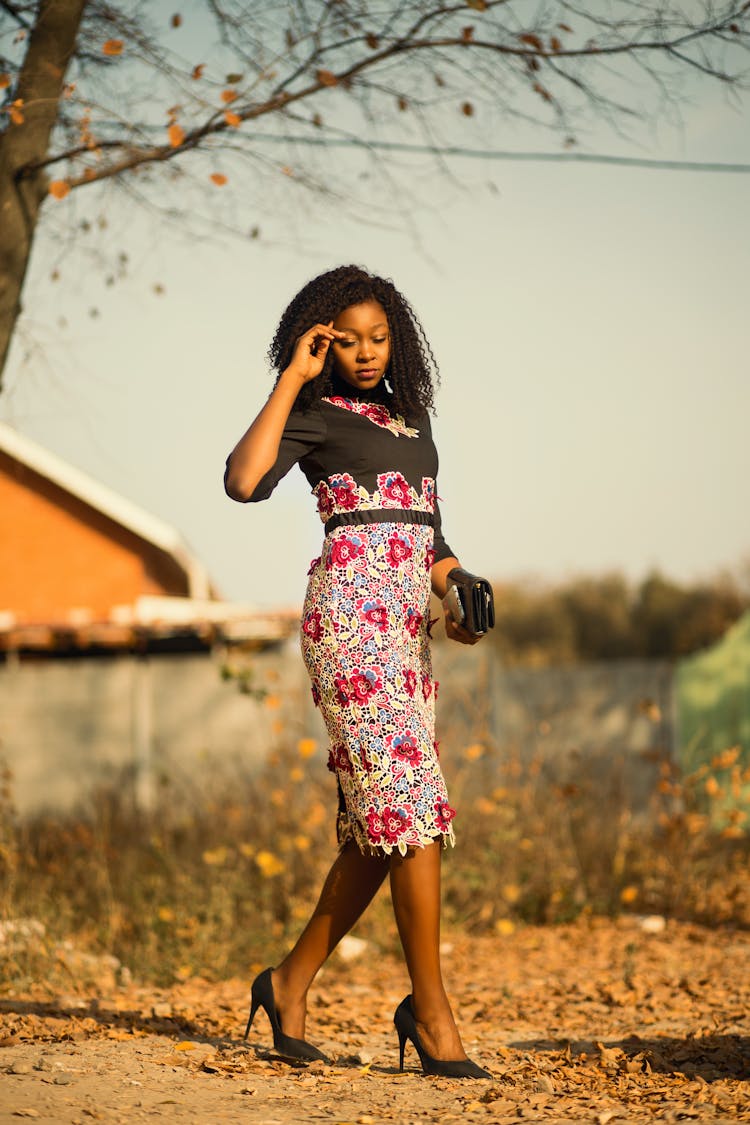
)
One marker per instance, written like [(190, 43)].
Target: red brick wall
[(57, 554)]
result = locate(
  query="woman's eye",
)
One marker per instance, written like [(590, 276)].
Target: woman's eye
[(345, 343), (379, 340)]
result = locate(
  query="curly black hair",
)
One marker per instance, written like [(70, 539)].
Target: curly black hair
[(412, 371)]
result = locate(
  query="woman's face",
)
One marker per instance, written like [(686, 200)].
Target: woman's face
[(362, 356)]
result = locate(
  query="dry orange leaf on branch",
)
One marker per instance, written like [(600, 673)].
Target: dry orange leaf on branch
[(327, 78), (532, 40), (176, 134), (218, 178), (228, 96), (232, 119), (59, 189), (4, 81), (112, 47), (16, 112), (198, 71)]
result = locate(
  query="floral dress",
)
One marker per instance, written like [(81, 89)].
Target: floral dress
[(365, 620)]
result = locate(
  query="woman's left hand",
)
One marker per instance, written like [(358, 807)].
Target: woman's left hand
[(457, 632)]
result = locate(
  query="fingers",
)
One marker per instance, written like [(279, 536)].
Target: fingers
[(458, 633), (311, 349), (320, 336)]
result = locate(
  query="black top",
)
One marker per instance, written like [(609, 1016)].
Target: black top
[(358, 456)]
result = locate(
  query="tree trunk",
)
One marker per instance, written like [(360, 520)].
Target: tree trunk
[(40, 86)]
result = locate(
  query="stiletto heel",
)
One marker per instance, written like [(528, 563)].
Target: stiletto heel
[(406, 1026), (401, 1045), (261, 996), (253, 1009)]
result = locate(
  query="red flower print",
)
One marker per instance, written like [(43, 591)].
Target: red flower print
[(395, 822), (363, 684), (311, 626), (426, 685), (429, 558), (338, 400), (413, 621), (313, 564), (395, 490), (377, 414), (436, 747), (344, 549), (444, 815), (410, 681), (338, 759), (374, 611), (436, 685), (430, 623), (343, 692), (344, 489), (375, 829), (399, 548), (404, 746), (428, 493), (325, 500)]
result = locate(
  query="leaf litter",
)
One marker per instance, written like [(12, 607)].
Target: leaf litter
[(597, 1021)]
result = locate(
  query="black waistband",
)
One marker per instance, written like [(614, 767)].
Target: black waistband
[(379, 515)]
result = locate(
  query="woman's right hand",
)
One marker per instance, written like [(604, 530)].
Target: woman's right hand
[(311, 350)]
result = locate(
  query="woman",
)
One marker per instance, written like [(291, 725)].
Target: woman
[(350, 405)]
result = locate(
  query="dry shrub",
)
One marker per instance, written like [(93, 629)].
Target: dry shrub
[(540, 846), (219, 884)]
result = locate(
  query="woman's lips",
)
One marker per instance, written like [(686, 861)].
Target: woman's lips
[(367, 372)]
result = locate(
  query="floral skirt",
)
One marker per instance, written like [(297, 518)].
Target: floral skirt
[(365, 643)]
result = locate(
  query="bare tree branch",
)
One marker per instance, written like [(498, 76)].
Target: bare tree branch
[(313, 76)]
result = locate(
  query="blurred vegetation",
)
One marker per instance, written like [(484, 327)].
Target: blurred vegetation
[(608, 618), (220, 885)]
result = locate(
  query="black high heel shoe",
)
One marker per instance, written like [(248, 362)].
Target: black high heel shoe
[(406, 1026), (261, 996)]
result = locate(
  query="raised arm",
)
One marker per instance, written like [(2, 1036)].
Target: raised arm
[(256, 451)]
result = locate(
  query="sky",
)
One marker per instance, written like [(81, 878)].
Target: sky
[(590, 323)]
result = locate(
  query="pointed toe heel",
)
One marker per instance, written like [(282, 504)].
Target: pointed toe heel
[(261, 996), (406, 1027)]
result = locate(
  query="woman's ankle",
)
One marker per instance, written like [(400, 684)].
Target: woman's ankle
[(293, 985), (431, 1005)]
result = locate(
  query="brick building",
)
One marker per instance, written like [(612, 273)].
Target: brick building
[(119, 664), (72, 551)]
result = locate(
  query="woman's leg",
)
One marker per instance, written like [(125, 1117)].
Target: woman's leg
[(350, 887), (415, 890)]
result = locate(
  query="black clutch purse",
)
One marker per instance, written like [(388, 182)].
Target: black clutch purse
[(470, 601)]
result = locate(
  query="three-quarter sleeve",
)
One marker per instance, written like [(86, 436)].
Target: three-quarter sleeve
[(303, 431), (441, 548)]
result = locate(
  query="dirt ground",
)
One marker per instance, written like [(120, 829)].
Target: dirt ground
[(598, 1021)]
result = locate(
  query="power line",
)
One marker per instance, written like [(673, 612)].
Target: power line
[(500, 154)]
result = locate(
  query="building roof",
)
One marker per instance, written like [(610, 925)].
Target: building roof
[(109, 503)]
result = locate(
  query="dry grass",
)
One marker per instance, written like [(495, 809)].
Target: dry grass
[(215, 887)]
